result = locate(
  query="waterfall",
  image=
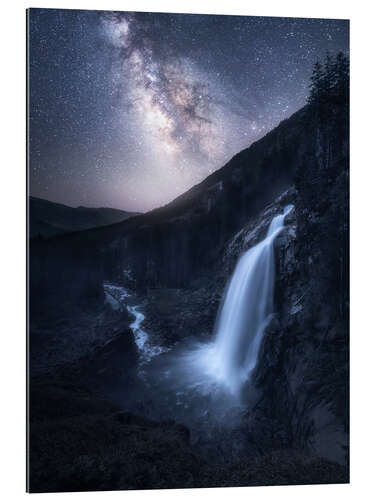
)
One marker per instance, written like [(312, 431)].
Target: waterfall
[(245, 312), (218, 369)]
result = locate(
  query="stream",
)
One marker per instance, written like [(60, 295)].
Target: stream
[(117, 297)]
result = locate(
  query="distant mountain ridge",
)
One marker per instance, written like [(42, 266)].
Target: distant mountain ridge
[(48, 218)]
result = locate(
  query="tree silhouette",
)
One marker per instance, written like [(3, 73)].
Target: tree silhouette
[(330, 82)]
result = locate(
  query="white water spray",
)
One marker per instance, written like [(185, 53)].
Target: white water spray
[(220, 368), (244, 314)]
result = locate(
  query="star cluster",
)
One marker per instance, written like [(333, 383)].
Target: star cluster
[(130, 110)]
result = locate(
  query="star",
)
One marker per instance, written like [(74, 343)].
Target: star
[(130, 110)]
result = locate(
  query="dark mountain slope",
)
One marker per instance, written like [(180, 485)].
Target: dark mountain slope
[(251, 163), (48, 218), (174, 244)]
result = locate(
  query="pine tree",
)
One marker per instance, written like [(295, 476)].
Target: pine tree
[(330, 83), (316, 82), (341, 71)]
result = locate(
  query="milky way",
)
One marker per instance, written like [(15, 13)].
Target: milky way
[(130, 110)]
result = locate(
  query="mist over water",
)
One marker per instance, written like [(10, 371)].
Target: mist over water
[(204, 382), (245, 312), (196, 380)]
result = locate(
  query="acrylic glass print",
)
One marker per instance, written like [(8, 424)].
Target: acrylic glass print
[(188, 250)]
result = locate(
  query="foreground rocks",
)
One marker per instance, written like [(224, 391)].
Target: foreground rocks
[(130, 452)]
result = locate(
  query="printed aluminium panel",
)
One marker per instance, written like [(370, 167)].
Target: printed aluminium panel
[(188, 250)]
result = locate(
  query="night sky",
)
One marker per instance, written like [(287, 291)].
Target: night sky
[(129, 110)]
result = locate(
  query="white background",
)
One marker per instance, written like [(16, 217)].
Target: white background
[(13, 254)]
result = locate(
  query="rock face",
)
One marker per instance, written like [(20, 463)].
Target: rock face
[(303, 367)]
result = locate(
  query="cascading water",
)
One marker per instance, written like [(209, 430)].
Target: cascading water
[(244, 314), (209, 377)]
